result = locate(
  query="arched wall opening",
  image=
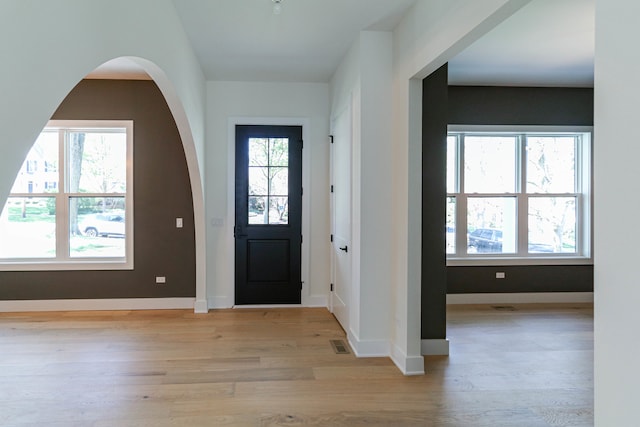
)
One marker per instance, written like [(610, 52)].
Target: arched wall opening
[(158, 110)]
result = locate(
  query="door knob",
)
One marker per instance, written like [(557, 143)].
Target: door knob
[(345, 248)]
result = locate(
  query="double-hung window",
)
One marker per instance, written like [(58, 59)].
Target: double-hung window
[(515, 194), (71, 204)]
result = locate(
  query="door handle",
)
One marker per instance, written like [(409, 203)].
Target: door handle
[(345, 248)]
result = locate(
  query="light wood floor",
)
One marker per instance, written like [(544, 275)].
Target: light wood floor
[(527, 367)]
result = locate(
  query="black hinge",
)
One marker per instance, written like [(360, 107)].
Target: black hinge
[(331, 139), (332, 237), (301, 283), (301, 144), (332, 188), (332, 287)]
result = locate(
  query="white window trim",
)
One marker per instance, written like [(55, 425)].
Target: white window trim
[(64, 262), (584, 198)]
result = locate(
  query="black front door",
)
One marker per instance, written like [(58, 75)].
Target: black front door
[(268, 228)]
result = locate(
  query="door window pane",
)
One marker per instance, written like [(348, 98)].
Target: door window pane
[(552, 225), (258, 181), (551, 164), (279, 178), (278, 152), (28, 228), (491, 224), (258, 214), (490, 164), (258, 152), (278, 210), (268, 181), (97, 162)]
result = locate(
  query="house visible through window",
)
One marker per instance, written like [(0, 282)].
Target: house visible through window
[(76, 211), (518, 194)]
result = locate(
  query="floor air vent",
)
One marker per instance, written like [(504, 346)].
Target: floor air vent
[(503, 307), (339, 347)]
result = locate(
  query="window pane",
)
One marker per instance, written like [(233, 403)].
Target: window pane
[(268, 181), (452, 150), (491, 222), (28, 228), (279, 152), (278, 210), (39, 172), (279, 181), (490, 164), (551, 164), (257, 212), (552, 224), (97, 227), (451, 225), (258, 181), (97, 162), (258, 152)]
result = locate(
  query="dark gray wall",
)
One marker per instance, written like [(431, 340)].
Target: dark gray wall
[(486, 105), (523, 278), (434, 192), (469, 105), (162, 192)]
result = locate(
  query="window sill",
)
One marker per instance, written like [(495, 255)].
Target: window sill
[(511, 260), (66, 266)]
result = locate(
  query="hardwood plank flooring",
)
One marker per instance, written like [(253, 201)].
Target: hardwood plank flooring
[(526, 365)]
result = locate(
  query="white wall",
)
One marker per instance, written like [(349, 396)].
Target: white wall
[(429, 35), (364, 79), (48, 47), (616, 235), (261, 103)]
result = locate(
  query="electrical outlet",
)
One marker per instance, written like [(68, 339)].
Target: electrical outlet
[(161, 279), (500, 275), (217, 222)]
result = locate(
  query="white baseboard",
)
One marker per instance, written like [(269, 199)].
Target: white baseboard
[(435, 347), (368, 348), (521, 298), (316, 301), (97, 304), (220, 302), (413, 365), (201, 306)]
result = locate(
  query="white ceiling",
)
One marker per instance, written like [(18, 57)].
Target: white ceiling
[(244, 39), (546, 43)]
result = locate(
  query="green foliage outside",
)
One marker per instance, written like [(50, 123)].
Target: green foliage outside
[(31, 213)]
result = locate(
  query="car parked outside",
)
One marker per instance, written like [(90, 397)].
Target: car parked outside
[(103, 224), (485, 240)]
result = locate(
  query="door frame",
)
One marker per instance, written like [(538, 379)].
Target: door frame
[(354, 249), (306, 299)]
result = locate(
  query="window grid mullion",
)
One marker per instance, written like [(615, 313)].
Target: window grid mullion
[(461, 201), (578, 188), (522, 220), (62, 223)]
